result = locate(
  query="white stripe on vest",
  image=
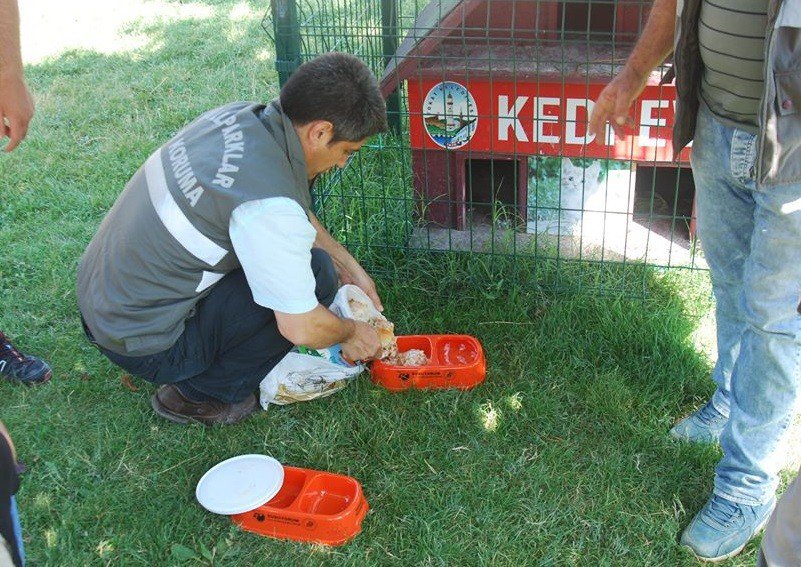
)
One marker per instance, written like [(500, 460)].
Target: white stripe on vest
[(173, 218), (208, 280)]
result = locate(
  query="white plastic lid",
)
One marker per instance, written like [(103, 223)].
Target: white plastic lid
[(240, 484)]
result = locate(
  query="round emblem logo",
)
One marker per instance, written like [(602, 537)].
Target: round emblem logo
[(449, 114)]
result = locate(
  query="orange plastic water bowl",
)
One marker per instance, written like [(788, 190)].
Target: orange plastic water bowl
[(454, 361), (312, 506)]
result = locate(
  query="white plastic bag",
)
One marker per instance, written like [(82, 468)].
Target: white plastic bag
[(305, 373), (302, 376), (352, 303)]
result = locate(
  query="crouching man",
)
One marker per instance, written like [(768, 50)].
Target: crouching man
[(211, 266)]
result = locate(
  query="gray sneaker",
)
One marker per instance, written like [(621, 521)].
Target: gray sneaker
[(723, 528), (704, 426)]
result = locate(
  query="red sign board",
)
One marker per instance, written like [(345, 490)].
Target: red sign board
[(536, 118)]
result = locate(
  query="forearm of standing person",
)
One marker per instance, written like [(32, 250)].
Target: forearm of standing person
[(653, 46), (10, 57), (656, 41), (16, 105)]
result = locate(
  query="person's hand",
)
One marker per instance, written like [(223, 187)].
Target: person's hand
[(363, 345), (16, 109), (357, 275), (614, 103)]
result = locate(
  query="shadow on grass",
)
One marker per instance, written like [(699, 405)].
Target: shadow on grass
[(581, 386), (561, 457)]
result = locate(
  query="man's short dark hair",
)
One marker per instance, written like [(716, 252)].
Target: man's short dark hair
[(339, 88)]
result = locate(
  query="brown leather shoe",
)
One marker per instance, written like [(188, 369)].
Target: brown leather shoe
[(171, 404)]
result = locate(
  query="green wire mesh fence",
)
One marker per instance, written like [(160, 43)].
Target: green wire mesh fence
[(489, 155)]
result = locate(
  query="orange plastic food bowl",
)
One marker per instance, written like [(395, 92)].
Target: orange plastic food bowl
[(454, 361), (312, 506)]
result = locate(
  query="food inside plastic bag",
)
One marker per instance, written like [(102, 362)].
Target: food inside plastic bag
[(362, 309)]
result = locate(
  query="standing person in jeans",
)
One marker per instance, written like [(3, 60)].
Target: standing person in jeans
[(211, 265), (16, 111), (738, 79)]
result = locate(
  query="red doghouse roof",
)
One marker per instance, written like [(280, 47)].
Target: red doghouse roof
[(516, 40)]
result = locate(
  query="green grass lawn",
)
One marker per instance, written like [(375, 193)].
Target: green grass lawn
[(560, 458)]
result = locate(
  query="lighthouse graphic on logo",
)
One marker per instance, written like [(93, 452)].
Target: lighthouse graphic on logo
[(449, 115)]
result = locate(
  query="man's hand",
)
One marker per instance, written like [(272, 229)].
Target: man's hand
[(357, 275), (614, 103), (363, 344), (16, 109), (655, 43), (16, 105)]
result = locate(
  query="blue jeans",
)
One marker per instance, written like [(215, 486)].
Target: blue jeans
[(751, 237), (17, 528)]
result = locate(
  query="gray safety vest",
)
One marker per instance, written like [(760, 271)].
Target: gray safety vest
[(165, 242)]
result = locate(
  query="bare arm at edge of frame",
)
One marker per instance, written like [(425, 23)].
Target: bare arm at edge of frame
[(16, 104), (653, 46)]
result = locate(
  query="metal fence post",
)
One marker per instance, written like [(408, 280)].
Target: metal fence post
[(287, 38), (389, 44)]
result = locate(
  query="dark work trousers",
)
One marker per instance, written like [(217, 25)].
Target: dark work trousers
[(229, 344)]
